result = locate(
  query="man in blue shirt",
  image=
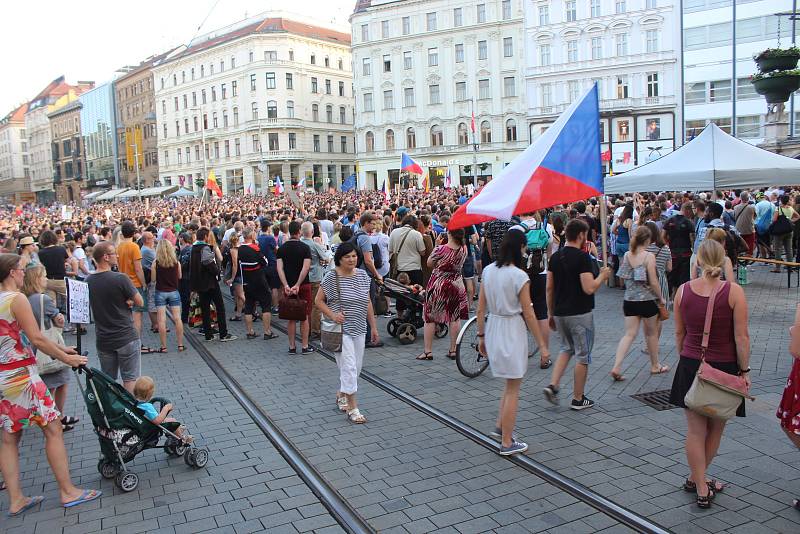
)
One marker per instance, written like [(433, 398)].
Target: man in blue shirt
[(268, 246)]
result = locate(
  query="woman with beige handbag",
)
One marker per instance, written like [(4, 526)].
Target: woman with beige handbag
[(55, 374), (710, 330)]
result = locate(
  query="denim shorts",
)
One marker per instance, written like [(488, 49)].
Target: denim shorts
[(168, 298)]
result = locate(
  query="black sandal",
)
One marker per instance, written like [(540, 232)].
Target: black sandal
[(69, 420), (795, 502), (181, 348), (546, 364), (451, 355), (717, 487), (705, 502), (425, 356), (271, 335)]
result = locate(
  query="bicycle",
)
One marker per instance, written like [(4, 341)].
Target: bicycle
[(470, 362)]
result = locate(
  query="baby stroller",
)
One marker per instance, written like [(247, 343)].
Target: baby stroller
[(124, 431), (404, 326)]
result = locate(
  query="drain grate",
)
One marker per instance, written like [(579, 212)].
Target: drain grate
[(658, 400)]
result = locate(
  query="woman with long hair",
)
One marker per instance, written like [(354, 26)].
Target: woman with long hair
[(642, 300), (26, 398), (233, 276), (505, 297), (165, 275), (445, 295), (661, 252), (728, 350)]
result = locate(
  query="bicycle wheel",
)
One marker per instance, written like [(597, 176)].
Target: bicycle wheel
[(469, 361)]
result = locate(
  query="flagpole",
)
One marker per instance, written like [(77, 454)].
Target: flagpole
[(474, 128), (604, 228)]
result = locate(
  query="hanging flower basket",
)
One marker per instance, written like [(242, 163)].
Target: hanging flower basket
[(778, 86), (777, 59)]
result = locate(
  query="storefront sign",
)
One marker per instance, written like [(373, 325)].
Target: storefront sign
[(438, 162)]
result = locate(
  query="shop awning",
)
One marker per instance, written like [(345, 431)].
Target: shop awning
[(111, 194)]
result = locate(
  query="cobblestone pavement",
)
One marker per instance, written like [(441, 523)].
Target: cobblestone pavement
[(405, 472)]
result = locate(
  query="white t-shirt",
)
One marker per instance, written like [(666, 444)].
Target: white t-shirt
[(80, 255)]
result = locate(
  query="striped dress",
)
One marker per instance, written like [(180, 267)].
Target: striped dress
[(446, 298), (663, 255)]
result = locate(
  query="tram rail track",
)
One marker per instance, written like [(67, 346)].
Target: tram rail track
[(624, 515)]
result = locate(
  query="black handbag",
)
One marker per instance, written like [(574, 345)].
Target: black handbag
[(292, 308), (782, 225)]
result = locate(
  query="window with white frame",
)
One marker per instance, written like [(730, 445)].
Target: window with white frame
[(544, 55), (384, 29), (388, 99), (458, 17), (407, 61), (434, 97), (433, 57), (546, 90), (364, 33), (463, 135), (650, 4), (459, 52), (619, 6), (573, 90), (511, 130), (253, 110), (594, 8), (748, 126), (572, 51), (508, 46), (622, 44), (570, 10), (270, 80), (652, 84), (387, 63), (622, 86), (290, 109), (506, 9), (367, 101), (597, 47), (483, 50), (366, 66), (406, 25), (390, 139), (509, 86), (411, 138), (430, 22), (480, 13), (369, 141), (270, 55), (408, 97), (652, 40), (315, 112), (544, 15), (461, 91), (486, 132), (437, 135), (484, 89), (719, 91)]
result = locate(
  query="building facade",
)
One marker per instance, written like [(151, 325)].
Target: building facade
[(708, 59), (263, 98), (14, 159), (37, 125), (67, 152), (437, 80), (136, 124), (99, 132), (630, 49)]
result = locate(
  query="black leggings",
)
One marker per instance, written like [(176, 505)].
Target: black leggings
[(206, 298)]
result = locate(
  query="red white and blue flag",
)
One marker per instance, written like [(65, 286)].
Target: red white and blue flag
[(562, 166), (409, 165), (448, 179), (278, 186), (385, 191)]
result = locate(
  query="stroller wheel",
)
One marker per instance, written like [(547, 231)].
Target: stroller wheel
[(127, 482), (188, 457), (441, 330), (406, 333), (391, 326), (107, 469), (199, 457), (180, 449)]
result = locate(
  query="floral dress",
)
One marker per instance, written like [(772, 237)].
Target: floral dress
[(789, 408), (24, 398), (446, 299)]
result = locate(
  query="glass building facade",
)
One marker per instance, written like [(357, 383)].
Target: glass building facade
[(98, 127)]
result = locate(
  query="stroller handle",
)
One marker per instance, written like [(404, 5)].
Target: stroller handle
[(82, 368), (160, 400)]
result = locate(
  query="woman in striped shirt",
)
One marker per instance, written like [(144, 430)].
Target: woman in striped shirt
[(344, 297)]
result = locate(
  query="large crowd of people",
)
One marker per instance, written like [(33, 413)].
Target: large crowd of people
[(322, 258)]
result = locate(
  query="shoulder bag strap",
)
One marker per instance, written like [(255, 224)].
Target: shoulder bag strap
[(403, 241), (41, 312), (709, 315)]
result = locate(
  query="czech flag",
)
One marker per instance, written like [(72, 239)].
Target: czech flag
[(448, 180), (562, 166), (212, 185), (385, 191), (409, 165), (278, 186)]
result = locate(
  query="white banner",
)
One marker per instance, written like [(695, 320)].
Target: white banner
[(77, 302)]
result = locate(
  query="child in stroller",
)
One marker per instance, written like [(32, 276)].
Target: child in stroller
[(143, 389), (125, 430), (409, 316)]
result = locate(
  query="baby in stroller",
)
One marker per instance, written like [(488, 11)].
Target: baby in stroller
[(416, 289), (143, 389)]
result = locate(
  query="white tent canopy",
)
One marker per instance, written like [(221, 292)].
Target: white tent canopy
[(93, 196), (712, 160), (150, 192), (182, 192), (111, 194)]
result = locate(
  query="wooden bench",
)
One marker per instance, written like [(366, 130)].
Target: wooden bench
[(743, 261)]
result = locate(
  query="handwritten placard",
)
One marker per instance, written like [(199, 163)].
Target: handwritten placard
[(77, 302)]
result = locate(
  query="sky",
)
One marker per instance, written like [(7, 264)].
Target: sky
[(90, 39)]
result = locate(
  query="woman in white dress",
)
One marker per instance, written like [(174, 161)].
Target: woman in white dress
[(505, 296)]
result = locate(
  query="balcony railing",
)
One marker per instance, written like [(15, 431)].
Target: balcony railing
[(613, 104)]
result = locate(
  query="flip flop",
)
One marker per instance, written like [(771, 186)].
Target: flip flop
[(661, 370), (86, 496), (546, 365), (33, 502), (147, 350), (69, 420), (617, 377), (181, 348)]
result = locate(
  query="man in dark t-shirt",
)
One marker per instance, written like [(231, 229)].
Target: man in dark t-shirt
[(111, 296), (679, 229), (294, 262), (570, 299)]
